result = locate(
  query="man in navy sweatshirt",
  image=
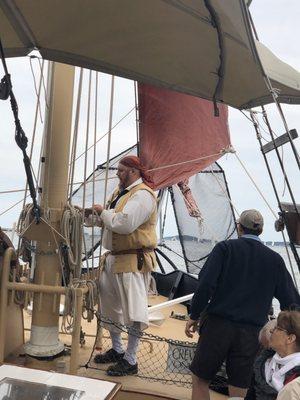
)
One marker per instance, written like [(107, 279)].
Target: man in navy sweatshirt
[(235, 292)]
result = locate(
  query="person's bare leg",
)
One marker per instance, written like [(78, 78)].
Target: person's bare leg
[(237, 392), (200, 390)]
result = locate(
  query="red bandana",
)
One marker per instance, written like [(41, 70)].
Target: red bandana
[(135, 162)]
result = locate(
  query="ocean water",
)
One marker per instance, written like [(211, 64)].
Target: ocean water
[(196, 250), (176, 256)]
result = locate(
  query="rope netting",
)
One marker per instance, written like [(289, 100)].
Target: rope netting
[(159, 359), (195, 241)]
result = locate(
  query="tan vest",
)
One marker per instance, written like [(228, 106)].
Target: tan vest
[(143, 237)]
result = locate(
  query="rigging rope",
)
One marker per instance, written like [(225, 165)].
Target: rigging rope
[(75, 136), (224, 191), (69, 313), (20, 137), (165, 215), (257, 126), (12, 206), (137, 120), (43, 80), (178, 254), (37, 90), (274, 94), (90, 302), (255, 185), (108, 132), (94, 162), (86, 155), (108, 147), (71, 229), (280, 162), (220, 153), (258, 136)]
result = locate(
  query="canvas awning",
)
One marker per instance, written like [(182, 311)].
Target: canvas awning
[(168, 43)]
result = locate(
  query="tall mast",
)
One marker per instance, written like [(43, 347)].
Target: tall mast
[(44, 340)]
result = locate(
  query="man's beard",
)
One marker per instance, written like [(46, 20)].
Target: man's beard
[(125, 182)]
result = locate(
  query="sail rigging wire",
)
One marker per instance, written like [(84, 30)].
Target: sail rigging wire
[(165, 216), (260, 127), (109, 136), (223, 190), (75, 136), (75, 183), (178, 254), (43, 80), (12, 191), (37, 90), (137, 120), (258, 136), (108, 132), (257, 126), (290, 261), (37, 111), (12, 206), (267, 203), (288, 132), (111, 108), (249, 119), (172, 197), (20, 136), (86, 156), (255, 185), (265, 117), (220, 153), (94, 161), (296, 154), (273, 92)]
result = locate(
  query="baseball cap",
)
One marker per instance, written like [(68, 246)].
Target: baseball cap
[(251, 219)]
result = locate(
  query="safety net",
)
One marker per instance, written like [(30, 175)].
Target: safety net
[(203, 214), (159, 359)]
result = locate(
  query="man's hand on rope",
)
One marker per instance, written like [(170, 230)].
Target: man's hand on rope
[(97, 209), (191, 327)]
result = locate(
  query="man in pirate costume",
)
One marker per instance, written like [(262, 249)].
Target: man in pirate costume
[(129, 233)]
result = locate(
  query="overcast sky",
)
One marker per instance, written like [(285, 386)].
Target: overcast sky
[(277, 23)]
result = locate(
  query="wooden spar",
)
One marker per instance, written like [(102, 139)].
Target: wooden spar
[(54, 183)]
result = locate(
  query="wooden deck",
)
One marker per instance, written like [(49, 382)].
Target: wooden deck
[(132, 387)]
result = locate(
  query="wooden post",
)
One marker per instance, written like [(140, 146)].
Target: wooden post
[(9, 255), (74, 360)]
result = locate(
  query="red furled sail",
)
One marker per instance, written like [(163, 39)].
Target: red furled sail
[(179, 129)]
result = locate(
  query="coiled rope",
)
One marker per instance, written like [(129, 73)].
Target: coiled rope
[(71, 227)]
